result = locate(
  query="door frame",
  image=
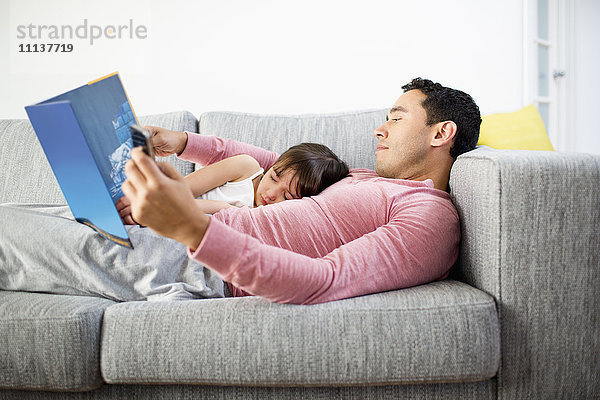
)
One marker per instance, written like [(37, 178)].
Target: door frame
[(560, 71)]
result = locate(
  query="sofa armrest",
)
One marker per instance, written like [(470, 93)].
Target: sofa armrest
[(530, 231)]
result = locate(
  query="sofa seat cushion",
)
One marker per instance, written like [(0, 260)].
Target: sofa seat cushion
[(445, 331), (50, 342)]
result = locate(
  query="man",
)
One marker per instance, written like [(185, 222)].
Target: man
[(370, 232)]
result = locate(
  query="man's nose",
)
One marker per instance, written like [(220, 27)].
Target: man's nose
[(381, 132)]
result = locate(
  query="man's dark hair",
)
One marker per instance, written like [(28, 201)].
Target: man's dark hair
[(446, 104), (315, 166)]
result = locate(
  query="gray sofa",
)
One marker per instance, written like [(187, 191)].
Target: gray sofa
[(519, 317)]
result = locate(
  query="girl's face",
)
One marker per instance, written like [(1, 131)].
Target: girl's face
[(275, 188)]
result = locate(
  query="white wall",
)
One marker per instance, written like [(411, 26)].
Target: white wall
[(272, 56)]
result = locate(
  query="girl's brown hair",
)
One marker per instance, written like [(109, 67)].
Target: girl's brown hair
[(315, 166)]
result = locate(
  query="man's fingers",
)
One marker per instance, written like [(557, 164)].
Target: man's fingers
[(131, 193), (134, 175), (128, 189), (122, 203), (152, 129), (146, 166), (127, 220), (123, 212)]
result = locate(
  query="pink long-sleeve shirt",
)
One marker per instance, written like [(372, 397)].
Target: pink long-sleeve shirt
[(364, 234)]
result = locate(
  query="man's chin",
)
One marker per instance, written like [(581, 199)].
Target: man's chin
[(385, 173), (381, 171)]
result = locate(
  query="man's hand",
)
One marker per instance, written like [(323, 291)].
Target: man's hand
[(162, 200), (166, 142), (124, 209)]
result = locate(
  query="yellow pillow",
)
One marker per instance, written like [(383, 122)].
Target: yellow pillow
[(519, 130)]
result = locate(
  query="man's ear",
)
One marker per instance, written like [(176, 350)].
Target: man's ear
[(444, 133)]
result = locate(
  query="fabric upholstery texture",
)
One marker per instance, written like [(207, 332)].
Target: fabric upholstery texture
[(530, 222), (20, 150), (442, 332), (50, 342), (485, 390), (349, 135)]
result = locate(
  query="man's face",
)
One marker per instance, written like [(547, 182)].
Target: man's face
[(404, 138)]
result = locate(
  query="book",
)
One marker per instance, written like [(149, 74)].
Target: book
[(85, 136)]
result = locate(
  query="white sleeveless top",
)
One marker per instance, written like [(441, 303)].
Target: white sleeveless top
[(237, 194)]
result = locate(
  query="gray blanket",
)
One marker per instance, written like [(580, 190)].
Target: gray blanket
[(43, 249)]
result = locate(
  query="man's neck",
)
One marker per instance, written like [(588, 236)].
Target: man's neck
[(439, 175), (441, 183)]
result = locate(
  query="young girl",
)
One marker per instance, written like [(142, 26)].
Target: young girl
[(302, 170)]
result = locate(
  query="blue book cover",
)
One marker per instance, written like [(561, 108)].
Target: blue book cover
[(85, 136)]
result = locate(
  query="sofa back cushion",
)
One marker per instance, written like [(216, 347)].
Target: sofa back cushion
[(349, 135), (25, 174)]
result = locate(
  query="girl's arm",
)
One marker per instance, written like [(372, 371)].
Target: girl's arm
[(231, 169), (212, 206)]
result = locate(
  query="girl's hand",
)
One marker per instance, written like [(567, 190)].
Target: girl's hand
[(166, 142)]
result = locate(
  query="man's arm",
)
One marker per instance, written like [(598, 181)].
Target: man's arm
[(407, 251), (207, 149)]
